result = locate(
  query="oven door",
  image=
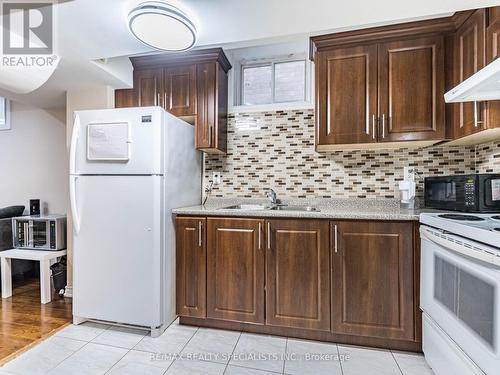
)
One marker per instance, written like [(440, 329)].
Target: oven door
[(461, 294), (445, 193)]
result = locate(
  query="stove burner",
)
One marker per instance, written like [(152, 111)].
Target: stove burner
[(461, 217)]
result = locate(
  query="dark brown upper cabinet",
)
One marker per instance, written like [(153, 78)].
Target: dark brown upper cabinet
[(493, 34), (469, 58), (212, 108), (475, 44), (492, 115), (191, 85), (125, 98), (381, 86), (148, 87), (411, 88), (346, 95), (179, 94), (373, 91)]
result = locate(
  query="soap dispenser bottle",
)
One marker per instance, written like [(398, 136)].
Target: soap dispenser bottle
[(407, 189)]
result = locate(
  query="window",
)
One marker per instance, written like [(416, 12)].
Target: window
[(4, 114), (257, 85), (273, 82)]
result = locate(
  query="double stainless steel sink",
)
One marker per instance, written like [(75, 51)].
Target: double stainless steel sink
[(279, 207), (274, 205)]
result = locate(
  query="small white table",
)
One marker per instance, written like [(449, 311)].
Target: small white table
[(46, 259)]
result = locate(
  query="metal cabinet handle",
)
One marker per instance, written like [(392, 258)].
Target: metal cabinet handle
[(383, 125), (200, 225), (260, 236), (335, 239), (476, 115), (268, 235), (158, 97), (373, 126)]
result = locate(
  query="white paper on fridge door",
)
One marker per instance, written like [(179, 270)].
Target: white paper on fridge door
[(108, 142)]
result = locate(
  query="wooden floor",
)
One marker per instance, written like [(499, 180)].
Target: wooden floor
[(24, 321)]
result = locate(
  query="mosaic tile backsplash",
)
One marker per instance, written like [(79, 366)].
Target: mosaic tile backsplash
[(276, 150), (488, 157)]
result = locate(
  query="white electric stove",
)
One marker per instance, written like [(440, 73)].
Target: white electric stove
[(460, 292), (483, 228)]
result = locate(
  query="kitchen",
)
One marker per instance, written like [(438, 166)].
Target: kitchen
[(322, 201)]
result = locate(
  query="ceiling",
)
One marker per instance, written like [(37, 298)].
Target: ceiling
[(96, 29)]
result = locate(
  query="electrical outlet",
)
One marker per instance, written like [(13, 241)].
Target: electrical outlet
[(409, 173), (216, 178)]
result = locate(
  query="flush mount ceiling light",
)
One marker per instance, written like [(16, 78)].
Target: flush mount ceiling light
[(162, 26)]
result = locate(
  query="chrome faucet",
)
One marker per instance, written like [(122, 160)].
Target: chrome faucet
[(273, 198)]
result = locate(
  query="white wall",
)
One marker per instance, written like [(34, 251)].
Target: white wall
[(33, 162), (78, 100)]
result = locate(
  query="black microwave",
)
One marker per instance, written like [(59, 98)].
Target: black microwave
[(467, 193)]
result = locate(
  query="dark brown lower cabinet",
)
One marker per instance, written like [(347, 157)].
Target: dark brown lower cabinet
[(372, 279), (353, 282), (297, 274), (191, 265), (235, 269)]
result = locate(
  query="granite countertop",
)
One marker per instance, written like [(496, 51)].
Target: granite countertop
[(360, 209)]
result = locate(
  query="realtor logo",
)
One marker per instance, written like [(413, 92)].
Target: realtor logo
[(27, 28)]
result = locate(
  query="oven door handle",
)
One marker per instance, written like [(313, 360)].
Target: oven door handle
[(458, 246)]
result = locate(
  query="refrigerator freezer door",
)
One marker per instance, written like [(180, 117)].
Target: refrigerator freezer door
[(118, 249), (124, 141)]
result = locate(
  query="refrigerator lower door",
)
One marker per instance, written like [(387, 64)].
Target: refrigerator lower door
[(118, 248)]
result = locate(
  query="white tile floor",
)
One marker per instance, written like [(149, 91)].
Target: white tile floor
[(100, 349)]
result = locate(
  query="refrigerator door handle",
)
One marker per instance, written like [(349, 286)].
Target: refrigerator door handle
[(72, 149), (72, 199)]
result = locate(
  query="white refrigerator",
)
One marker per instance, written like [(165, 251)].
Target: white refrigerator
[(128, 169)]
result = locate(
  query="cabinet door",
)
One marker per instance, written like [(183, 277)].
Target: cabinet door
[(206, 77), (493, 35), (470, 57), (125, 98), (492, 53), (297, 274), (235, 270), (148, 87), (372, 279), (346, 96), (180, 90), (222, 103), (411, 90), (191, 265)]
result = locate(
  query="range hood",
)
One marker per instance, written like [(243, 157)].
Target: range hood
[(481, 86)]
